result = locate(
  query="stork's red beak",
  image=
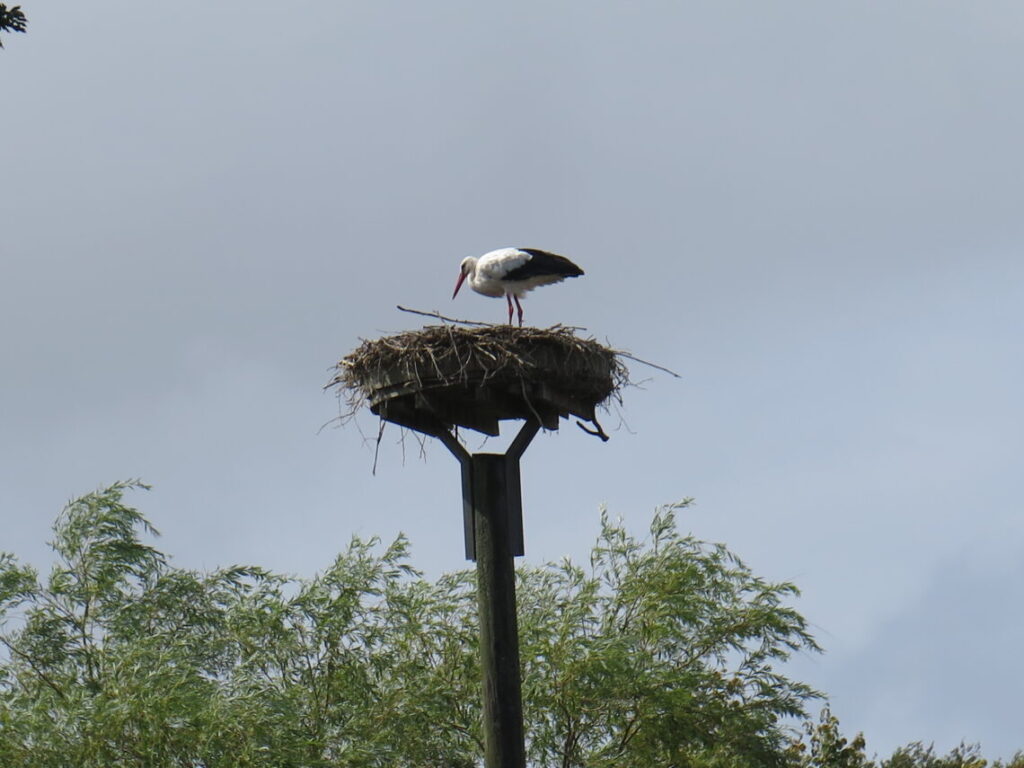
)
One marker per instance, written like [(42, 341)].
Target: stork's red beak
[(458, 283)]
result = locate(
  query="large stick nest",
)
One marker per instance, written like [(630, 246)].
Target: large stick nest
[(444, 376)]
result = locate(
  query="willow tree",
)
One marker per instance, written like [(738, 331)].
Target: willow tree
[(11, 20), (661, 651)]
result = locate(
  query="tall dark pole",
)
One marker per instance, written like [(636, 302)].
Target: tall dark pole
[(494, 537), (499, 629)]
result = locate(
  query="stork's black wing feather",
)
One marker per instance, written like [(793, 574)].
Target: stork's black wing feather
[(543, 263)]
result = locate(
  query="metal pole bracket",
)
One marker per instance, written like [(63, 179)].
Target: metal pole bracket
[(509, 495)]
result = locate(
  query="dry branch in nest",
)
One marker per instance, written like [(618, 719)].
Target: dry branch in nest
[(446, 376)]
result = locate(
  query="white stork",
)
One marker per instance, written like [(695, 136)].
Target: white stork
[(511, 272)]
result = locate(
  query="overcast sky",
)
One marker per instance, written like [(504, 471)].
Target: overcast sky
[(811, 210)]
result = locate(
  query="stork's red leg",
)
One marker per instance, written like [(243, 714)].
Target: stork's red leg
[(509, 300), (520, 308)]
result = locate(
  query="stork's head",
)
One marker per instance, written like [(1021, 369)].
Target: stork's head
[(467, 268)]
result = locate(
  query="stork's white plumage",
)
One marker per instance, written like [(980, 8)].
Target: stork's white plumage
[(511, 272)]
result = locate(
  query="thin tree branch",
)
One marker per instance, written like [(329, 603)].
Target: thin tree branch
[(446, 319), (376, 449), (439, 316), (31, 662), (599, 432), (644, 362)]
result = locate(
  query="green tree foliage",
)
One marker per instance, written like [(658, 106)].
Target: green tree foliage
[(824, 746), (917, 755), (11, 20), (661, 652)]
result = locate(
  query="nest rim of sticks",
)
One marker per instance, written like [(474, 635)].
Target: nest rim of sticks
[(440, 377)]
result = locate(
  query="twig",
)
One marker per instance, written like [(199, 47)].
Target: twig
[(439, 316), (652, 365), (376, 449), (32, 663), (599, 432)]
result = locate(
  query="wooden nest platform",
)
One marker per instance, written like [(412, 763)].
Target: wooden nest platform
[(441, 377)]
